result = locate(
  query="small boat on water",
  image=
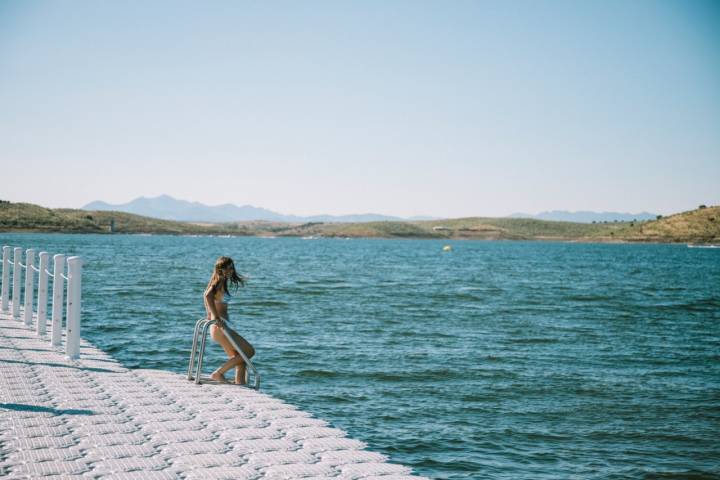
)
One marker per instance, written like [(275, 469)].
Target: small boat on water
[(691, 245)]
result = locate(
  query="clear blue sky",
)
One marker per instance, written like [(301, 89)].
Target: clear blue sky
[(399, 107)]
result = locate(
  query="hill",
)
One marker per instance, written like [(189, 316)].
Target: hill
[(701, 225), (26, 217), (477, 228), (697, 226), (587, 217)]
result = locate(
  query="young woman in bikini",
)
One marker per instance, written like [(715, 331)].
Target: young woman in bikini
[(217, 298)]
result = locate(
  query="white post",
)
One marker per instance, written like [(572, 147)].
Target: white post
[(17, 274), (57, 301), (72, 341), (29, 285), (42, 294), (5, 279)]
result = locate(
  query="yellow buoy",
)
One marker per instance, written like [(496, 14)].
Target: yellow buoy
[(447, 248)]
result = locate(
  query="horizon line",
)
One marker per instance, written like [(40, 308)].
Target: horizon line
[(404, 217)]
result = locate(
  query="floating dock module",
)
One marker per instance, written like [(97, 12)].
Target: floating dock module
[(92, 418)]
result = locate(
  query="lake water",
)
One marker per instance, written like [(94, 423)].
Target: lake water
[(499, 360)]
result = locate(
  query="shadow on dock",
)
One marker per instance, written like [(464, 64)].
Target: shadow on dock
[(61, 365), (22, 407)]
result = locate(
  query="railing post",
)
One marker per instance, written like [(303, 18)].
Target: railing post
[(72, 340), (57, 301), (42, 294), (5, 279), (16, 283), (29, 286)]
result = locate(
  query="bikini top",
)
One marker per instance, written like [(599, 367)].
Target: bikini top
[(226, 298)]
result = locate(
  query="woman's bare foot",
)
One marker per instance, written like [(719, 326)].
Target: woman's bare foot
[(218, 377)]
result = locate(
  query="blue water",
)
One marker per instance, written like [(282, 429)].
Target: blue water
[(499, 360)]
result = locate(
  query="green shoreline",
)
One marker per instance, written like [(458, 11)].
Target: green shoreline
[(699, 226)]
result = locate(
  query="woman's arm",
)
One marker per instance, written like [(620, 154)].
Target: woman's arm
[(210, 303)]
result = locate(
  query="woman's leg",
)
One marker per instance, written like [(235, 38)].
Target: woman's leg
[(235, 360), (248, 350), (217, 335), (219, 374)]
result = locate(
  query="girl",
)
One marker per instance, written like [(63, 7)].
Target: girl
[(217, 299)]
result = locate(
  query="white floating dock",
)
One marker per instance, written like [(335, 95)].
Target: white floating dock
[(91, 418)]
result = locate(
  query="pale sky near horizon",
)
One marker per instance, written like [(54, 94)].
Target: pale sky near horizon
[(404, 108)]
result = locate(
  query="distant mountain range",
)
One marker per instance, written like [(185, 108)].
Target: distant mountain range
[(168, 208), (587, 217)]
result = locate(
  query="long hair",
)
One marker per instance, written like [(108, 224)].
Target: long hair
[(219, 275)]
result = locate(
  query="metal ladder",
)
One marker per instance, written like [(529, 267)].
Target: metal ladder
[(201, 328)]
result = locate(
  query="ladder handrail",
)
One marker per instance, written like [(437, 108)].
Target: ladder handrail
[(194, 348), (203, 325)]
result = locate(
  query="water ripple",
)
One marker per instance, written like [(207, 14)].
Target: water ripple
[(501, 360)]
